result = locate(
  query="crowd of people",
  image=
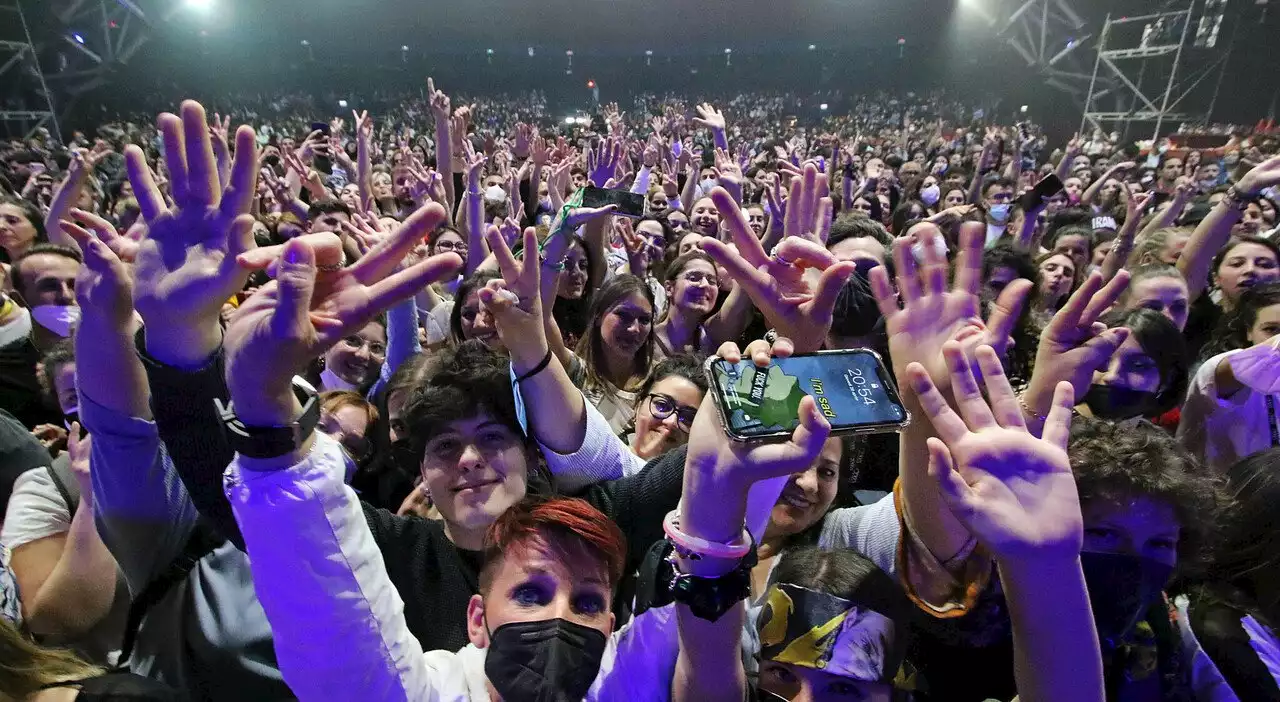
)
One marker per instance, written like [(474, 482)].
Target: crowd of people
[(371, 406)]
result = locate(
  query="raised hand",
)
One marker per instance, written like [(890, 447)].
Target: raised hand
[(1074, 344), (1015, 493), (308, 308), (602, 161), (718, 471), (931, 314), (472, 162), (1260, 177), (104, 287), (186, 266), (515, 300), (520, 142), (439, 102), (775, 283), (125, 248), (710, 117)]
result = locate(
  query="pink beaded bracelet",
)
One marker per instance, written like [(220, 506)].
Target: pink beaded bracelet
[(695, 548)]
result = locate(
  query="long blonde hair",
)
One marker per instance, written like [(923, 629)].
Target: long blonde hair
[(26, 667)]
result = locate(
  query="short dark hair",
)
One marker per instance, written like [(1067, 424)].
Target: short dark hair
[(58, 355), (684, 365), (327, 205), (996, 180), (1119, 461), (857, 225), (15, 271), (469, 380)]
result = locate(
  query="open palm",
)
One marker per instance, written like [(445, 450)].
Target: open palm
[(185, 267), (1014, 492), (933, 313)]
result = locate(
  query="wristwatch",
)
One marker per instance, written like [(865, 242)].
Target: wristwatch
[(270, 442), (706, 598)]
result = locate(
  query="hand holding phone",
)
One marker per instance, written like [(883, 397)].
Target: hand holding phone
[(1035, 198), (629, 204), (852, 388)]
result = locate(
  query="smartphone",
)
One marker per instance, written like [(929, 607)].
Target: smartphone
[(1159, 197), (629, 204), (852, 388), (1048, 186), (322, 127)]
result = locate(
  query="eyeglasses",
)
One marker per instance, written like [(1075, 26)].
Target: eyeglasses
[(662, 406), (698, 277), (451, 246), (377, 348)]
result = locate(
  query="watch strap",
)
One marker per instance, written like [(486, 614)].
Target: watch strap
[(270, 442)]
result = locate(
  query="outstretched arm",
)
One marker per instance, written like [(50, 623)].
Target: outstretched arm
[(1017, 495), (1215, 229), (717, 480)]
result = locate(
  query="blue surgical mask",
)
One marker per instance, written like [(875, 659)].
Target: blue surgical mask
[(1000, 212)]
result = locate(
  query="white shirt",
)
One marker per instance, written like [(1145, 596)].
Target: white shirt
[(1221, 431)]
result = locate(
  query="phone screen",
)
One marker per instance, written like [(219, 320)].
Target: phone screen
[(322, 127), (852, 388), (629, 204)]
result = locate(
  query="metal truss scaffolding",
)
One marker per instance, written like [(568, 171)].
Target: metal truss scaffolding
[(1159, 68), (1047, 34), (25, 102)]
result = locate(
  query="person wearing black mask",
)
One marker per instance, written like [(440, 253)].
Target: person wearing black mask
[(1147, 374), (1148, 509), (856, 322)]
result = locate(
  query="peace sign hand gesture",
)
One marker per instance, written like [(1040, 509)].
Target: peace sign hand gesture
[(308, 308), (515, 300), (1015, 493)]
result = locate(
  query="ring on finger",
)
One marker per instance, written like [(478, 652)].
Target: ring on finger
[(330, 267), (776, 255)]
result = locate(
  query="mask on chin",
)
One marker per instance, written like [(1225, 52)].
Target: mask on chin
[(59, 319), (1121, 590), (1115, 403), (553, 660)]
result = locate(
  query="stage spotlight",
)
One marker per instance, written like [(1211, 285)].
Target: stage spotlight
[(823, 107), (78, 37), (570, 120), (342, 104), (202, 5), (813, 47)]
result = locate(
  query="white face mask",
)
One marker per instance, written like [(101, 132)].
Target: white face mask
[(332, 381), (495, 194), (930, 195), (59, 319)]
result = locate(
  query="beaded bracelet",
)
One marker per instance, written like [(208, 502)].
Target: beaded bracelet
[(694, 548)]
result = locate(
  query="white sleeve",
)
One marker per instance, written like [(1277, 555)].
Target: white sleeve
[(323, 584), (36, 510), (602, 456)]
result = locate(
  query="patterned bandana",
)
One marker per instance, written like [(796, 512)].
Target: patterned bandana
[(816, 630)]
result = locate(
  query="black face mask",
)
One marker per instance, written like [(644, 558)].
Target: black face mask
[(1116, 403), (553, 660), (1121, 589), (856, 313)]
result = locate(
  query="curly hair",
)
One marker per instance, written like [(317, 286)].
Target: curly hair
[(1118, 462), (1233, 328), (59, 355)]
